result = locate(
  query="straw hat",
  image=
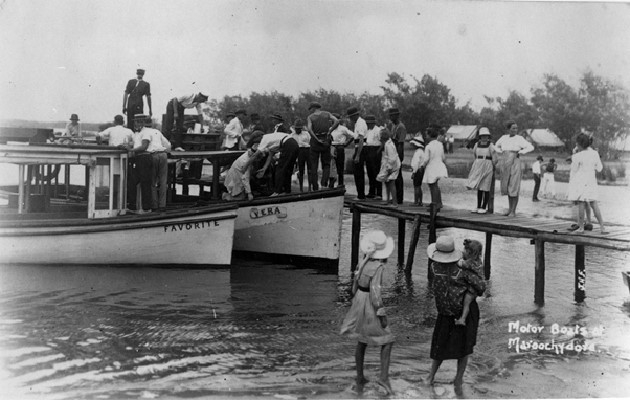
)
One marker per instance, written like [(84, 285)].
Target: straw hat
[(377, 242), (417, 141), (484, 132), (443, 250)]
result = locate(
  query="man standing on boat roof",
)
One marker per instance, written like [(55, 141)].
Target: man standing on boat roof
[(133, 102), (360, 132), (173, 127), (398, 135), (234, 130), (320, 124)]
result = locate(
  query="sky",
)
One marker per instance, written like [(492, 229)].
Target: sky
[(62, 57)]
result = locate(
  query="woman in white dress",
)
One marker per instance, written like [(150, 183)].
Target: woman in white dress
[(434, 165), (583, 183)]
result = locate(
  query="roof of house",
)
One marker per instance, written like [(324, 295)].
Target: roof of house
[(544, 138), (462, 132)]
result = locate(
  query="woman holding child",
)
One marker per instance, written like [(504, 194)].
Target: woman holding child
[(455, 286)]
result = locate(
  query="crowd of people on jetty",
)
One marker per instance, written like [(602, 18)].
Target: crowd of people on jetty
[(274, 156)]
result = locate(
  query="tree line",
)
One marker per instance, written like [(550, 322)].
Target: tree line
[(597, 106)]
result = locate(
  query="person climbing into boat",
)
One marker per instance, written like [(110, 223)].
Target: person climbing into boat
[(237, 179), (366, 321), (173, 127), (288, 148)]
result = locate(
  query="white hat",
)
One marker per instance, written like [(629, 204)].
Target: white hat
[(378, 244), (443, 250), (484, 131)]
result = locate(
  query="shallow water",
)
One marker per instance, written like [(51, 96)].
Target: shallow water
[(266, 330)]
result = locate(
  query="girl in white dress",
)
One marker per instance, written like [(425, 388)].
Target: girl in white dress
[(434, 165), (583, 183)]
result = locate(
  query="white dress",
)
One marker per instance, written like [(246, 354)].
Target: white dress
[(434, 162), (582, 180)]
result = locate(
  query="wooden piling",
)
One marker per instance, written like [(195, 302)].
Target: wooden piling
[(539, 272), (432, 236), (415, 236), (580, 274), (356, 232), (491, 197), (401, 242), (486, 260)]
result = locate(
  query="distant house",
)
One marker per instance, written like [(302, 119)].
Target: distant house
[(622, 144), (543, 138)]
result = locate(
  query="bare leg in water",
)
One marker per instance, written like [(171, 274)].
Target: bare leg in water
[(459, 376), (435, 365), (386, 352), (359, 357)]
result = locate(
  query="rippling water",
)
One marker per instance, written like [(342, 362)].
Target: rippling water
[(266, 330)]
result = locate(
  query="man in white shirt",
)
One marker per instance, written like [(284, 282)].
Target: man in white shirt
[(156, 145), (173, 127), (536, 172), (360, 132), (373, 154), (341, 137), (511, 146), (288, 147), (233, 131), (116, 135)]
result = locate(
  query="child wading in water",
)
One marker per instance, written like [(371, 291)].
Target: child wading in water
[(390, 168), (366, 320), (471, 261)]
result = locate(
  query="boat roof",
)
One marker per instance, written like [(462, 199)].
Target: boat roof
[(28, 154)]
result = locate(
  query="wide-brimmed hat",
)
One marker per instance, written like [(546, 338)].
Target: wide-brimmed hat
[(443, 250), (393, 111), (352, 111), (298, 124), (240, 111), (314, 104), (74, 117), (539, 158), (230, 114), (484, 132), (370, 119), (417, 141), (378, 244), (278, 117)]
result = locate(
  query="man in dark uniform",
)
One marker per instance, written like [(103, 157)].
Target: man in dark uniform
[(398, 135), (320, 124), (133, 102)]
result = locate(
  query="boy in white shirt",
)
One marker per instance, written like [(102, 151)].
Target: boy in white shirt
[(417, 170)]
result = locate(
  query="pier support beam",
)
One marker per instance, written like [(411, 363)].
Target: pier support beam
[(539, 273), (415, 236), (580, 274), (486, 259), (401, 242), (356, 232)]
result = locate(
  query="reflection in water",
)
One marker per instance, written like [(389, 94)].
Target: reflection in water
[(261, 329)]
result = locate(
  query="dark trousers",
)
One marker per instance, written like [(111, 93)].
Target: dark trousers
[(289, 150), (359, 174), (536, 186), (318, 151), (373, 166), (303, 163), (174, 135), (400, 149), (132, 111), (340, 161), (141, 173)]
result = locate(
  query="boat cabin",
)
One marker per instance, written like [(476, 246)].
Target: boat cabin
[(93, 183)]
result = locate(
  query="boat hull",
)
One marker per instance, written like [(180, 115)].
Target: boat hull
[(303, 225), (198, 237)]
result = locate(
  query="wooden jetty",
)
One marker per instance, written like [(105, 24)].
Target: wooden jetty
[(538, 229)]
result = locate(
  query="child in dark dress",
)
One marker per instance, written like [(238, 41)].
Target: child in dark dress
[(471, 260)]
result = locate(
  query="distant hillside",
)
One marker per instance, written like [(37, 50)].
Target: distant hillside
[(23, 123)]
